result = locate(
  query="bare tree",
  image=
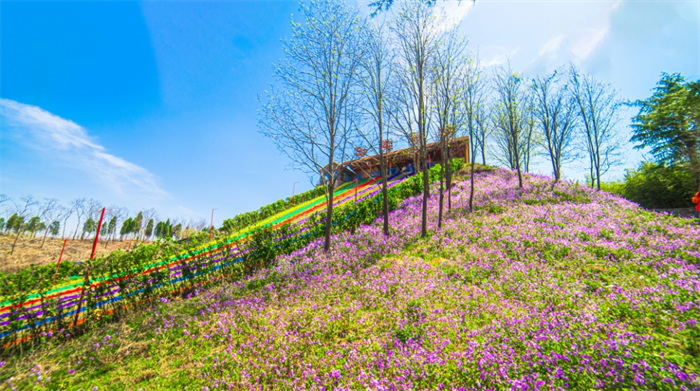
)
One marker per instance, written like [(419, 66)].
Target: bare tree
[(555, 113), (28, 202), (64, 214), (197, 225), (531, 138), (418, 30), (483, 129), (92, 210), (510, 118), (474, 98), (4, 198), (404, 116), (78, 206), (149, 214), (598, 110), (447, 75), (376, 79), (48, 212), (311, 117), (120, 213)]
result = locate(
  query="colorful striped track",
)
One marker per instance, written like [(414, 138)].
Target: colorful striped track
[(220, 253)]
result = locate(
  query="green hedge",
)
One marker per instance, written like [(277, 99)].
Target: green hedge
[(656, 186), (247, 219)]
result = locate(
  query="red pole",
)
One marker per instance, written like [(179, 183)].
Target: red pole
[(87, 272), (59, 261), (97, 235)]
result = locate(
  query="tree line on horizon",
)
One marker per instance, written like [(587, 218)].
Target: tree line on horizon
[(350, 83), (49, 218)]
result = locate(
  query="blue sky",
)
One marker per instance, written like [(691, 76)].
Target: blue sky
[(154, 104)]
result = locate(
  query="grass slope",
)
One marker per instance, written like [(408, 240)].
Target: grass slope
[(539, 288)]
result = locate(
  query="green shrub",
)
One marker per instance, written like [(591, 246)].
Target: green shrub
[(656, 186)]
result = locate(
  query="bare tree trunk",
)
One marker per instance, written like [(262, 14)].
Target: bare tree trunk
[(471, 190), (12, 251), (426, 193), (382, 167), (329, 203), (46, 232), (442, 177), (449, 180)]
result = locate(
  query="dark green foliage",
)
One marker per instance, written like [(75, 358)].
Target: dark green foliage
[(149, 229), (656, 186), (164, 229), (138, 222), (127, 227), (669, 123), (15, 222), (54, 227), (176, 230), (33, 224), (89, 226)]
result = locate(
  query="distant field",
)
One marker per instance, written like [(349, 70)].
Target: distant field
[(30, 251)]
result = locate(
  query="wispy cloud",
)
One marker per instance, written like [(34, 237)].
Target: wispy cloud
[(586, 40), (551, 46), (455, 11), (497, 55), (72, 145)]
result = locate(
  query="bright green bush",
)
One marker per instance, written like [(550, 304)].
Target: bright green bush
[(656, 186)]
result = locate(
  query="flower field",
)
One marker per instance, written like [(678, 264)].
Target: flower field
[(544, 288)]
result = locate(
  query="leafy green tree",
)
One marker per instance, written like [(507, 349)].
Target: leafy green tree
[(39, 227), (127, 227), (149, 229), (159, 229), (138, 222), (177, 231), (112, 225), (17, 224), (12, 222), (2, 223), (88, 227), (32, 225), (657, 186), (54, 227), (669, 123), (164, 229)]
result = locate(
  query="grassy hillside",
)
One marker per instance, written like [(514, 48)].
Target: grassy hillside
[(538, 289)]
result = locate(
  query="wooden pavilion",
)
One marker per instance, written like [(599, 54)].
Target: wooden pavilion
[(399, 161)]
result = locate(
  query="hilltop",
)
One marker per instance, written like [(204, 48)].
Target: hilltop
[(539, 288)]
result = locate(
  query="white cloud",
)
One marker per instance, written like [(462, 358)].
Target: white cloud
[(496, 55), (552, 45), (455, 11), (70, 143), (586, 40)]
